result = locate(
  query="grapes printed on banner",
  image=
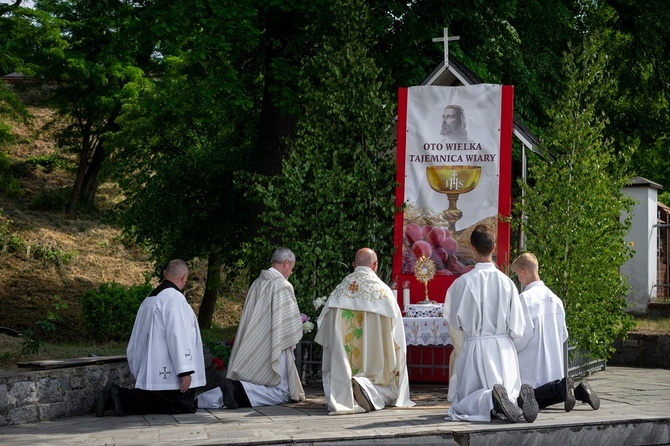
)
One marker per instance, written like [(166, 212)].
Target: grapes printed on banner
[(436, 243)]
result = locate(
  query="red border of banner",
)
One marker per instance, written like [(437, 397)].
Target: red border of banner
[(440, 284)]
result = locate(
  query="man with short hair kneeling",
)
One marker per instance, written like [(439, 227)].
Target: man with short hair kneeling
[(262, 369), (363, 338)]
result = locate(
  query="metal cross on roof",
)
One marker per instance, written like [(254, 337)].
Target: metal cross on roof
[(446, 40)]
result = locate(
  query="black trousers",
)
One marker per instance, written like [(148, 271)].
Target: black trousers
[(550, 393), (140, 401)]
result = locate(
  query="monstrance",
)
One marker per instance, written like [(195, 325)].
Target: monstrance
[(453, 181), (424, 271)]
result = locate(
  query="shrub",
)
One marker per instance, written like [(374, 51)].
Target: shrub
[(218, 348), (32, 340), (45, 250), (51, 200), (49, 253), (8, 184), (10, 242), (48, 162), (109, 310)]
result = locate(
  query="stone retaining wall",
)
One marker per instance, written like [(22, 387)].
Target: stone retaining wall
[(29, 396), (642, 350)]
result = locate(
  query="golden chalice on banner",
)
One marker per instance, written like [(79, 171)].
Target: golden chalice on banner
[(453, 181), (424, 271)]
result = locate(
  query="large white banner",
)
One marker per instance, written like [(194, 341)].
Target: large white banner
[(452, 172)]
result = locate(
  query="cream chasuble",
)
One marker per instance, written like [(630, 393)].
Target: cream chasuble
[(270, 323), (362, 334)]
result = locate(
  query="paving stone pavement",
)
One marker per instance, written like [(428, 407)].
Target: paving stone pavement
[(635, 410)]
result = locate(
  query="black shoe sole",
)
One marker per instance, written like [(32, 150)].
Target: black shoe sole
[(504, 405), (585, 393), (529, 405)]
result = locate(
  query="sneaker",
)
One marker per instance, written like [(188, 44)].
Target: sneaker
[(361, 396), (569, 402), (503, 405), (498, 415), (228, 392), (584, 393), (528, 403)]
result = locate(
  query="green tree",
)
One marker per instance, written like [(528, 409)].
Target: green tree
[(184, 137), (639, 48), (11, 108), (572, 207), (502, 41), (83, 50), (336, 191)]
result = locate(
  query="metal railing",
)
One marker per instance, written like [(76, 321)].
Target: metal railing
[(308, 355), (579, 363)]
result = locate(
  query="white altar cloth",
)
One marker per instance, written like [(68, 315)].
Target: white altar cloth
[(426, 331)]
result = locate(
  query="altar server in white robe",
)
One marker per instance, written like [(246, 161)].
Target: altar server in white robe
[(484, 304), (540, 348), (261, 370), (165, 353), (363, 338)]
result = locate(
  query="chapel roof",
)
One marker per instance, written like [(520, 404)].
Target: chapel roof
[(457, 74)]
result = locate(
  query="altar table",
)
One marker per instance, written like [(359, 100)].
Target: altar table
[(428, 343)]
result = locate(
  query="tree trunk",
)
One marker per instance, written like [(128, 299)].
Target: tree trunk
[(90, 183), (277, 124), (81, 169), (212, 286)]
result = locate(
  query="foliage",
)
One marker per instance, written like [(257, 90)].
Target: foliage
[(335, 194), (50, 199), (572, 207), (638, 43), (8, 184), (218, 348), (186, 134), (48, 162), (49, 253), (32, 340), (664, 197), (11, 108), (10, 242), (109, 311), (86, 51), (502, 41)]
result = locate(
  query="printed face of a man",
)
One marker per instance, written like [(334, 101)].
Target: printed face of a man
[(450, 120)]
